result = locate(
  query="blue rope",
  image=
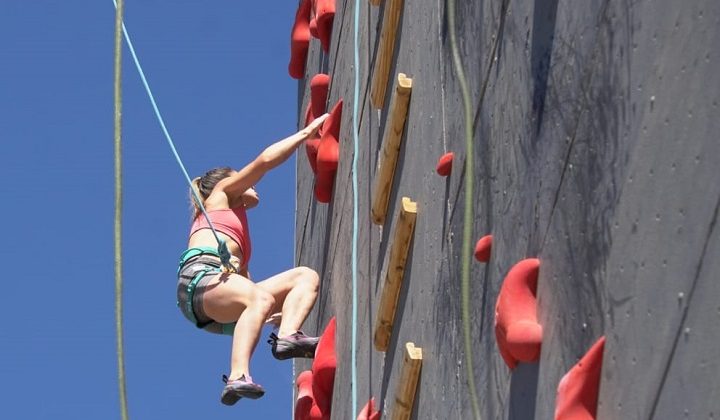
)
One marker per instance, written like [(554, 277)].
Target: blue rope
[(222, 247), (356, 129)]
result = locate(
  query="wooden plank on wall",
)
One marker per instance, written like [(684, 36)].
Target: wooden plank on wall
[(404, 230), (407, 384), (385, 52), (390, 148)]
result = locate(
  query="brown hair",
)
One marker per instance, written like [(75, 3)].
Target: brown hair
[(204, 185)]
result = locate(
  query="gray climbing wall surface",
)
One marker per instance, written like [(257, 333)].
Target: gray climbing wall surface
[(597, 150)]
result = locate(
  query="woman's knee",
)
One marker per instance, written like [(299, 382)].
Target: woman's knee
[(308, 277), (263, 301)]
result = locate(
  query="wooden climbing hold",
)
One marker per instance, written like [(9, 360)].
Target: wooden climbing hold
[(518, 333), (577, 393), (407, 383), (444, 165), (385, 52), (369, 412), (300, 40), (323, 369), (483, 247), (392, 138), (404, 229)]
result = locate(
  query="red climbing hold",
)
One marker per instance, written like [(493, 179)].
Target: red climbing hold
[(329, 149), (324, 183), (444, 165), (309, 116), (324, 16), (312, 144), (311, 147), (368, 412), (300, 40), (328, 155), (519, 336), (483, 248), (319, 85), (577, 394), (304, 384), (318, 95), (305, 407), (323, 369), (313, 28), (315, 414)]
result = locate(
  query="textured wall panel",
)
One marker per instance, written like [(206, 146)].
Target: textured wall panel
[(596, 150)]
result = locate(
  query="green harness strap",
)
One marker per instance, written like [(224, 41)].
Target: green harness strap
[(191, 293), (228, 329), (194, 252)]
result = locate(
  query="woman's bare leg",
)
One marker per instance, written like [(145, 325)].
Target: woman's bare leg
[(295, 292), (233, 298)]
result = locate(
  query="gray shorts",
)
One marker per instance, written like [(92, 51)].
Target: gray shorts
[(204, 266)]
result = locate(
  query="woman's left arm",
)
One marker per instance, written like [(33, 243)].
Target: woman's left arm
[(275, 154)]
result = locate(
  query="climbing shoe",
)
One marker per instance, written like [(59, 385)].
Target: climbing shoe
[(293, 345), (238, 388)]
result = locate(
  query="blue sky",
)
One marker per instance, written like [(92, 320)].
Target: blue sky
[(219, 72)]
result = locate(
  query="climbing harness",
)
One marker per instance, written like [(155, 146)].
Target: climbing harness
[(222, 249), (187, 306), (190, 289)]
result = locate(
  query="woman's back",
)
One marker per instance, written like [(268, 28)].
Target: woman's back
[(232, 227)]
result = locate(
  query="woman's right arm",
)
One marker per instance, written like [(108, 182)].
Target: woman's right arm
[(272, 156)]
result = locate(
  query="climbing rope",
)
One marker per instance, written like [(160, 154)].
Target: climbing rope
[(222, 247), (467, 226), (118, 211), (356, 129)]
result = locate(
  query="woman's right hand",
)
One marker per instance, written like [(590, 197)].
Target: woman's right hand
[(314, 126)]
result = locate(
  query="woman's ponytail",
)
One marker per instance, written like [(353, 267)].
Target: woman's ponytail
[(195, 192), (204, 185)]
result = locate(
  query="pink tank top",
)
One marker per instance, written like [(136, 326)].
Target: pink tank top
[(231, 222)]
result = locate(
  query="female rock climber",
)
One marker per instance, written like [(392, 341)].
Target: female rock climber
[(227, 302)]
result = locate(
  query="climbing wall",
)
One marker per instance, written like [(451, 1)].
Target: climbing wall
[(596, 152)]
